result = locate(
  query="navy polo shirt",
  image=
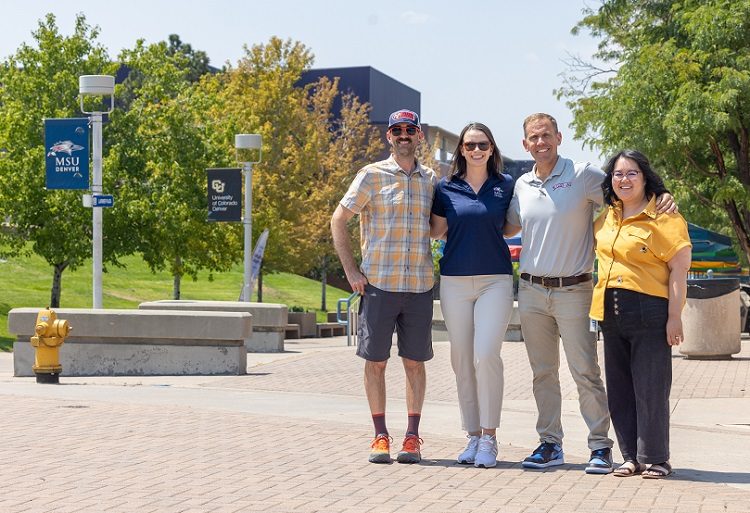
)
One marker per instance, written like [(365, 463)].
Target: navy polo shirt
[(475, 244)]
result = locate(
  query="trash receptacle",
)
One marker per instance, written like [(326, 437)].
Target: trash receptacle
[(745, 301), (711, 319)]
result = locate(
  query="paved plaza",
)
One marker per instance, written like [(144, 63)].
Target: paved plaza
[(293, 435)]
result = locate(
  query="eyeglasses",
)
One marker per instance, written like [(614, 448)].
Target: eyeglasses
[(397, 130), (470, 146), (618, 175)]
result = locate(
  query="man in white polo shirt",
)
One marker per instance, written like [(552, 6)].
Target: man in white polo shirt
[(554, 204)]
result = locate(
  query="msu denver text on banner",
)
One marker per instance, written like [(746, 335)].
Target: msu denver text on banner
[(66, 143), (224, 194)]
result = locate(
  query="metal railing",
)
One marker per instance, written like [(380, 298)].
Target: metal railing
[(352, 316)]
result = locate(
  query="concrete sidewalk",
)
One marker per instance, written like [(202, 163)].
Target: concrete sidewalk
[(293, 435)]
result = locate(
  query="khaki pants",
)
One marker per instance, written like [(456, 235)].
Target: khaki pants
[(548, 314), (477, 310)]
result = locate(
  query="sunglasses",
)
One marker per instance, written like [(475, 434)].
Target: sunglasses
[(397, 130), (471, 146)]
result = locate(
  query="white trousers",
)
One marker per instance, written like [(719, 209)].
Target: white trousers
[(477, 310)]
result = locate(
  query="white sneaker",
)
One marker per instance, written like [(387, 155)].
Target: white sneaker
[(486, 455), (470, 453)]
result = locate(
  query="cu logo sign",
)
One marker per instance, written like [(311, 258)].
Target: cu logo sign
[(217, 185)]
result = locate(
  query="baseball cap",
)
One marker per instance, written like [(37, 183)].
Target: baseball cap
[(403, 116)]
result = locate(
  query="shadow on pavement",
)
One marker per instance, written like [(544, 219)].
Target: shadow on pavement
[(722, 359), (502, 465), (710, 476)]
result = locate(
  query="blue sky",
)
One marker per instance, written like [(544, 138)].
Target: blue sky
[(488, 61)]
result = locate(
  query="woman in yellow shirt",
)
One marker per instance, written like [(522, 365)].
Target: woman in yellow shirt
[(643, 259)]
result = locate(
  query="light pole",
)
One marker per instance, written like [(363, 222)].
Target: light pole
[(102, 86), (248, 147)]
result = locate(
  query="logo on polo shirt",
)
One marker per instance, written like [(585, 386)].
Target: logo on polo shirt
[(562, 185), (498, 192)]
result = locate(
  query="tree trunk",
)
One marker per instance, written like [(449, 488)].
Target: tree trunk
[(176, 278), (176, 286), (54, 300), (737, 217), (260, 285), (324, 283)]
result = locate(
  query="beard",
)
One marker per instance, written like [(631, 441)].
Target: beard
[(404, 150)]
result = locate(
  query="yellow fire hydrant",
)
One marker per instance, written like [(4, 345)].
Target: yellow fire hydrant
[(50, 335)]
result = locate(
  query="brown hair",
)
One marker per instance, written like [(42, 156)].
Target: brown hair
[(536, 117), (494, 163)]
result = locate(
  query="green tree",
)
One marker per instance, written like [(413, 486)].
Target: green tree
[(260, 96), (197, 60), (337, 149), (309, 156), (41, 81), (161, 150), (674, 83), (194, 65)]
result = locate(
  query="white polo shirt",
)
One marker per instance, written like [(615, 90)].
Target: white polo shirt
[(556, 217)]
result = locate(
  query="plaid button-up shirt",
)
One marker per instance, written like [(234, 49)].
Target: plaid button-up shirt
[(394, 209)]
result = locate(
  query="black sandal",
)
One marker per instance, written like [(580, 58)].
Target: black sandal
[(657, 471), (630, 468)]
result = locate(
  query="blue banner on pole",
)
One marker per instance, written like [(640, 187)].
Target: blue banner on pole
[(224, 194), (66, 144)]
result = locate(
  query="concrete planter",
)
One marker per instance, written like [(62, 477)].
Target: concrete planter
[(126, 342), (269, 319), (307, 323)]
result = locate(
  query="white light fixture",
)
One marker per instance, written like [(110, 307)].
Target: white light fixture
[(249, 151), (96, 85)]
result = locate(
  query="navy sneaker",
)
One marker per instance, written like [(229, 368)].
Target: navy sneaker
[(600, 462), (546, 455)]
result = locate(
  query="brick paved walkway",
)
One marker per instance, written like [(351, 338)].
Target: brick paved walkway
[(206, 445), (341, 373)]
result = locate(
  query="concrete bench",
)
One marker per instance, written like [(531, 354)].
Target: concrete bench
[(440, 332), (269, 319), (330, 329), (292, 331), (306, 321), (139, 342)]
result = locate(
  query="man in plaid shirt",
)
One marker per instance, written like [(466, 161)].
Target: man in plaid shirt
[(393, 199)]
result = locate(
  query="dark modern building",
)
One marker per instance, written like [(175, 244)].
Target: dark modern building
[(385, 95)]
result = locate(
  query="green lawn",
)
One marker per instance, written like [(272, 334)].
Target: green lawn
[(26, 281)]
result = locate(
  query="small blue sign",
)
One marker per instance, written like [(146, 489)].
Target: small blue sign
[(66, 145), (102, 200)]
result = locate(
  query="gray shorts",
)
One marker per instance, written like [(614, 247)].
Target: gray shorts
[(409, 313)]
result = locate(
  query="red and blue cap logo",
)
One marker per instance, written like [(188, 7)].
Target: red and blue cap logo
[(403, 116)]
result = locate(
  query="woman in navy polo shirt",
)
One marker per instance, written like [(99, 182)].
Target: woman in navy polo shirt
[(476, 283)]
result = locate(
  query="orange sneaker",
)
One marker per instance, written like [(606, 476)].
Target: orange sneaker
[(410, 451), (381, 449)]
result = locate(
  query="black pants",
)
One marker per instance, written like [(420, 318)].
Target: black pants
[(638, 363)]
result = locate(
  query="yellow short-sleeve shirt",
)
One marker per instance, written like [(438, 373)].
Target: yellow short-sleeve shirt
[(633, 252)]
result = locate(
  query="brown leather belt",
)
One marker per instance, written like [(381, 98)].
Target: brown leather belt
[(556, 282)]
